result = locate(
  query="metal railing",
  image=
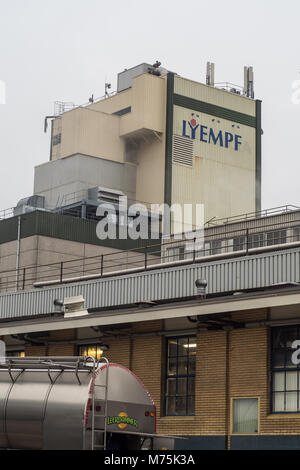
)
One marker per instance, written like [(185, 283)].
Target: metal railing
[(253, 215), (224, 243), (6, 213), (61, 107), (230, 87)]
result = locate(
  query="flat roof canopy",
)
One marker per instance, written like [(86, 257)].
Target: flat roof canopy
[(243, 302)]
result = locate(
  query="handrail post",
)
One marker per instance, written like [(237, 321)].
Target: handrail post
[(23, 284), (61, 272), (247, 241), (194, 251), (102, 267), (146, 257)]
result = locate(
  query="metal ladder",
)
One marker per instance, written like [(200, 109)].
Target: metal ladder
[(103, 431)]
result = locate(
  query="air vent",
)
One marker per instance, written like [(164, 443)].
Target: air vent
[(182, 150), (101, 194)]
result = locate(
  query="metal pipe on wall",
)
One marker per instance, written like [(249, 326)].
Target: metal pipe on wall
[(18, 252)]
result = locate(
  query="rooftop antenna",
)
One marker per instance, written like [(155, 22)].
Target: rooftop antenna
[(210, 74), (107, 87), (91, 99), (248, 82)]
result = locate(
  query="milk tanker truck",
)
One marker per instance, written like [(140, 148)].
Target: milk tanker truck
[(75, 403)]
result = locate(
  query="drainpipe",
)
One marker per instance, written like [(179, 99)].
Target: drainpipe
[(18, 252), (227, 392)]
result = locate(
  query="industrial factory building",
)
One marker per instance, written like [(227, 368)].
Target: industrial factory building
[(216, 359), (160, 138), (209, 329)]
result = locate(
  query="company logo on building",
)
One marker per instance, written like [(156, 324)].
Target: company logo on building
[(122, 420), (193, 129)]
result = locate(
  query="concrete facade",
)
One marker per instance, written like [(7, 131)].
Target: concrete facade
[(153, 126), (67, 180)]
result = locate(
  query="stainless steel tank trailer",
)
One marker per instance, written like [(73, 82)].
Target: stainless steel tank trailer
[(75, 403)]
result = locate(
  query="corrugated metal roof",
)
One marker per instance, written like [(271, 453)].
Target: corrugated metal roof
[(225, 275)]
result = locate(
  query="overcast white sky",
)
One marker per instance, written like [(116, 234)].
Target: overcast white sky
[(65, 50)]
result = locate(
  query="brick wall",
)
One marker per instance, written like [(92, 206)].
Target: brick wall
[(64, 349), (229, 364)]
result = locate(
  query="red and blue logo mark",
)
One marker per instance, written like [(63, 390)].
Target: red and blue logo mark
[(194, 130)]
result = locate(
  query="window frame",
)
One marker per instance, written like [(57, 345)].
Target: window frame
[(284, 369), (167, 376), (176, 253), (252, 397)]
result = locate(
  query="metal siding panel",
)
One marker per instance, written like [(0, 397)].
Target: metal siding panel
[(168, 283)]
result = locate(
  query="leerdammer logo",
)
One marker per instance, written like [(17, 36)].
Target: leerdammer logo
[(194, 129), (2, 92)]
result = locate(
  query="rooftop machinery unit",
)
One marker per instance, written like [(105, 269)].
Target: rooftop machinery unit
[(74, 403)]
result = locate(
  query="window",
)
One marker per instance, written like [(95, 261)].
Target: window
[(285, 376), (296, 237), (93, 350), (216, 247), (276, 238), (245, 415), (175, 254), (255, 240), (15, 353), (180, 376), (239, 243)]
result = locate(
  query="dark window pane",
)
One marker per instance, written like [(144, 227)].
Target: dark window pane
[(291, 334), (183, 346), (171, 387), (191, 386), (191, 405), (172, 366), (278, 338), (172, 347), (182, 366), (192, 364), (171, 405), (181, 386), (278, 359), (181, 405)]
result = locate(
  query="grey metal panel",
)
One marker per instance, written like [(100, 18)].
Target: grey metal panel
[(225, 275), (25, 410), (64, 419), (5, 388), (125, 77)]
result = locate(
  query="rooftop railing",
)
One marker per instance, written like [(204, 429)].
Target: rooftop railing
[(225, 243)]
